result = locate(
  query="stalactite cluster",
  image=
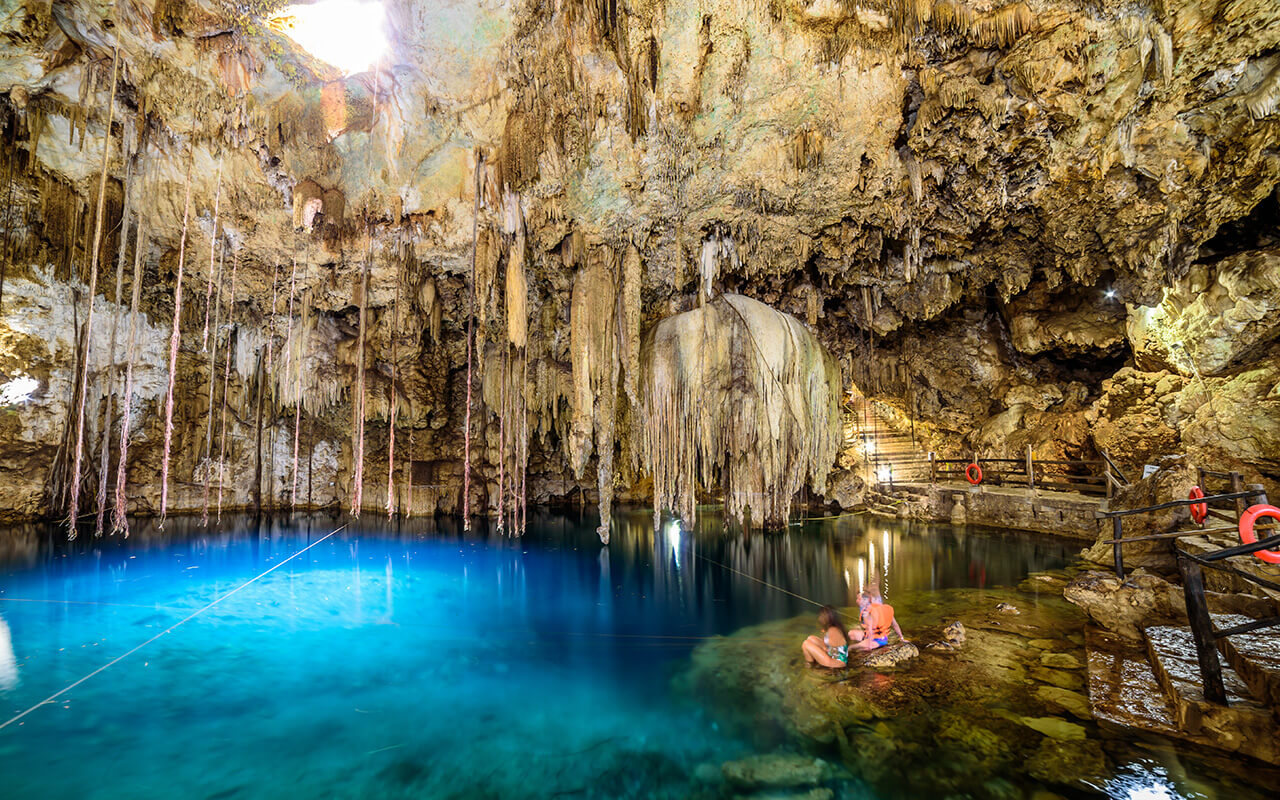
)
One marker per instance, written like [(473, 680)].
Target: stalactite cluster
[(739, 396)]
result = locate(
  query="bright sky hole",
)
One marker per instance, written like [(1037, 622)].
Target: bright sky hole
[(348, 34), (18, 390)]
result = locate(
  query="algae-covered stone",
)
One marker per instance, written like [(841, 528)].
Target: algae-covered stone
[(775, 771), (1074, 703), (1057, 677), (1060, 660), (889, 656), (1055, 727), (1067, 762), (958, 733), (819, 793)]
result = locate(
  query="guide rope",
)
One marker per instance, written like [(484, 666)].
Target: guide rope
[(167, 630), (758, 580)]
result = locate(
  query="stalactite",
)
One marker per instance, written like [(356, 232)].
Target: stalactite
[(292, 354), (119, 520), (271, 322), (173, 344), (408, 474), (357, 491), (391, 400), (502, 437), (517, 293), (93, 288), (593, 350), (524, 443), (1264, 99), (226, 379), (737, 394), (109, 394), (213, 249), (631, 277), (213, 364), (12, 152), (466, 425)]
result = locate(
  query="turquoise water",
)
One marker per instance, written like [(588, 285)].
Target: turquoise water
[(412, 659)]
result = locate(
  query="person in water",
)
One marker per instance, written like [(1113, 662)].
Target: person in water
[(832, 650), (877, 622)]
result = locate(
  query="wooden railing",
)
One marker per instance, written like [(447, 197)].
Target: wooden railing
[(1192, 567), (1096, 476)]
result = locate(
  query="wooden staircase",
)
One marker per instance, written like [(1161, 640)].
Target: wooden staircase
[(887, 452)]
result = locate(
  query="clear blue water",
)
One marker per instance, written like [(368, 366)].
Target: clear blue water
[(411, 659)]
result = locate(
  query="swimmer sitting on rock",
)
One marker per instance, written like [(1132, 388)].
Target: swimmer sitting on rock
[(877, 621), (832, 650)]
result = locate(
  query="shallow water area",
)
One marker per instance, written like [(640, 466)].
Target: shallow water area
[(412, 659)]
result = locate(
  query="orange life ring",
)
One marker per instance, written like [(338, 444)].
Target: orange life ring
[(1247, 519), (1199, 511), (970, 476)]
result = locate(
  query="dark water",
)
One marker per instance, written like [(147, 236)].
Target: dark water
[(411, 659)]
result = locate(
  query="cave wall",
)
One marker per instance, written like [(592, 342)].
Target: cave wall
[(1041, 223)]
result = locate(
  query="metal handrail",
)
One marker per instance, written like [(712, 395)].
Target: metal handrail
[(1127, 512)]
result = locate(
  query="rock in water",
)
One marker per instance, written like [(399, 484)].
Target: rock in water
[(775, 771), (889, 656), (1068, 762), (1007, 608), (954, 633)]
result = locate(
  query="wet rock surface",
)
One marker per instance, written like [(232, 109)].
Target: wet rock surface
[(1006, 707)]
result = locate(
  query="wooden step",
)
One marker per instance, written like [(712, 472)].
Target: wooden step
[(1243, 725)]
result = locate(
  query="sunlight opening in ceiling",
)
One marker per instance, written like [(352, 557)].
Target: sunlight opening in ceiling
[(348, 34)]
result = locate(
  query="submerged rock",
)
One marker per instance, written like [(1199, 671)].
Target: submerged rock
[(1068, 762), (1074, 703), (776, 771), (1055, 727), (888, 656)]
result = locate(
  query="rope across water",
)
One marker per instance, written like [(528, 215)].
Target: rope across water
[(167, 630)]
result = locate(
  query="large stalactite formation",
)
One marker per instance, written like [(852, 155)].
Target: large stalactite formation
[(1020, 224)]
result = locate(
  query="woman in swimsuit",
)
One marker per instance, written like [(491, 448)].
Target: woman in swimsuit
[(832, 650)]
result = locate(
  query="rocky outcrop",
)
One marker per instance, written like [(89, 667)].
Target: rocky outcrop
[(1220, 316)]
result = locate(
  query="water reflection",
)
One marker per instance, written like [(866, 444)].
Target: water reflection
[(8, 662)]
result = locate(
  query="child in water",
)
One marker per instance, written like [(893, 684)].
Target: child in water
[(832, 650)]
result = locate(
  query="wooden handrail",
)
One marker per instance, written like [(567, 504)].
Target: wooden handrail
[(1113, 466)]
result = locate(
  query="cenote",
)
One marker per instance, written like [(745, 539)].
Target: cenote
[(411, 659)]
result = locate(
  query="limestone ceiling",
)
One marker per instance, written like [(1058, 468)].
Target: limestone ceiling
[(924, 151)]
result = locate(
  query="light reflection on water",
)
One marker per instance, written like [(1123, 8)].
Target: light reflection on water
[(412, 659)]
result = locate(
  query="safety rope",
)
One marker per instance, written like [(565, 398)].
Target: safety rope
[(757, 580), (167, 630)]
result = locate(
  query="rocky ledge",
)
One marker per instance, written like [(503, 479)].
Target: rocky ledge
[(994, 706)]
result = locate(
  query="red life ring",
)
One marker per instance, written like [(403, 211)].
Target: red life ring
[(970, 476), (1199, 511), (1247, 519)]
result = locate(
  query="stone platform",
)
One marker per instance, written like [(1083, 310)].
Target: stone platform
[(1062, 513), (1154, 686)]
